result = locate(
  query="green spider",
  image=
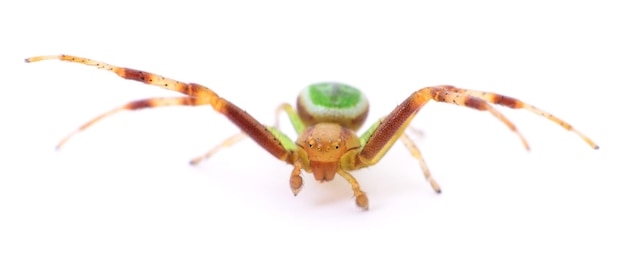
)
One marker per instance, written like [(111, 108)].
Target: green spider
[(327, 116)]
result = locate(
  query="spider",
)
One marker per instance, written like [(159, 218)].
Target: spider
[(326, 117)]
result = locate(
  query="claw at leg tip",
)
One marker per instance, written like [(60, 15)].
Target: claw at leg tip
[(296, 189), (195, 161)]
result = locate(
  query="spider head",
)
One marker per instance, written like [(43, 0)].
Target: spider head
[(325, 145)]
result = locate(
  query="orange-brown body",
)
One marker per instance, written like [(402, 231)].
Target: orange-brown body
[(327, 144)]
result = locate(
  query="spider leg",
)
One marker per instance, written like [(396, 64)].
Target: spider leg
[(236, 138), (517, 104), (295, 119), (135, 75), (361, 198), (418, 155), (136, 105), (409, 145), (296, 122), (386, 132), (272, 140)]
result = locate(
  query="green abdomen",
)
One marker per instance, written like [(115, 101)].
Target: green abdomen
[(332, 102)]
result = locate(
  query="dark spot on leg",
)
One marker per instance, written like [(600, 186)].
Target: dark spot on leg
[(509, 102), (475, 102), (139, 104), (439, 97)]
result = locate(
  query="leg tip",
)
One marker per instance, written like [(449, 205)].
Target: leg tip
[(58, 147), (435, 186)]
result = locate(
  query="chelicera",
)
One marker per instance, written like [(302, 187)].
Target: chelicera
[(325, 118)]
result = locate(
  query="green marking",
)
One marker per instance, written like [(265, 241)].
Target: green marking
[(334, 95), (370, 131), (282, 138), (296, 122)]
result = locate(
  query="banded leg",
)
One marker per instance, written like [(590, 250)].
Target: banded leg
[(135, 75), (409, 145), (234, 139), (137, 105), (517, 104), (387, 132), (271, 140)]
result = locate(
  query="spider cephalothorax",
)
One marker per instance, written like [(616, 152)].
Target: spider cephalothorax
[(327, 146), (327, 116)]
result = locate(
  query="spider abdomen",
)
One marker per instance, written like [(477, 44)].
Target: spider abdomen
[(333, 103)]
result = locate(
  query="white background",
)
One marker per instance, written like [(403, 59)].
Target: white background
[(122, 191)]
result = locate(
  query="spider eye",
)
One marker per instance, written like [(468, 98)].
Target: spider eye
[(337, 147)]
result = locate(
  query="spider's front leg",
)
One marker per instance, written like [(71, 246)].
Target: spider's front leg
[(288, 109), (380, 137), (272, 140)]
